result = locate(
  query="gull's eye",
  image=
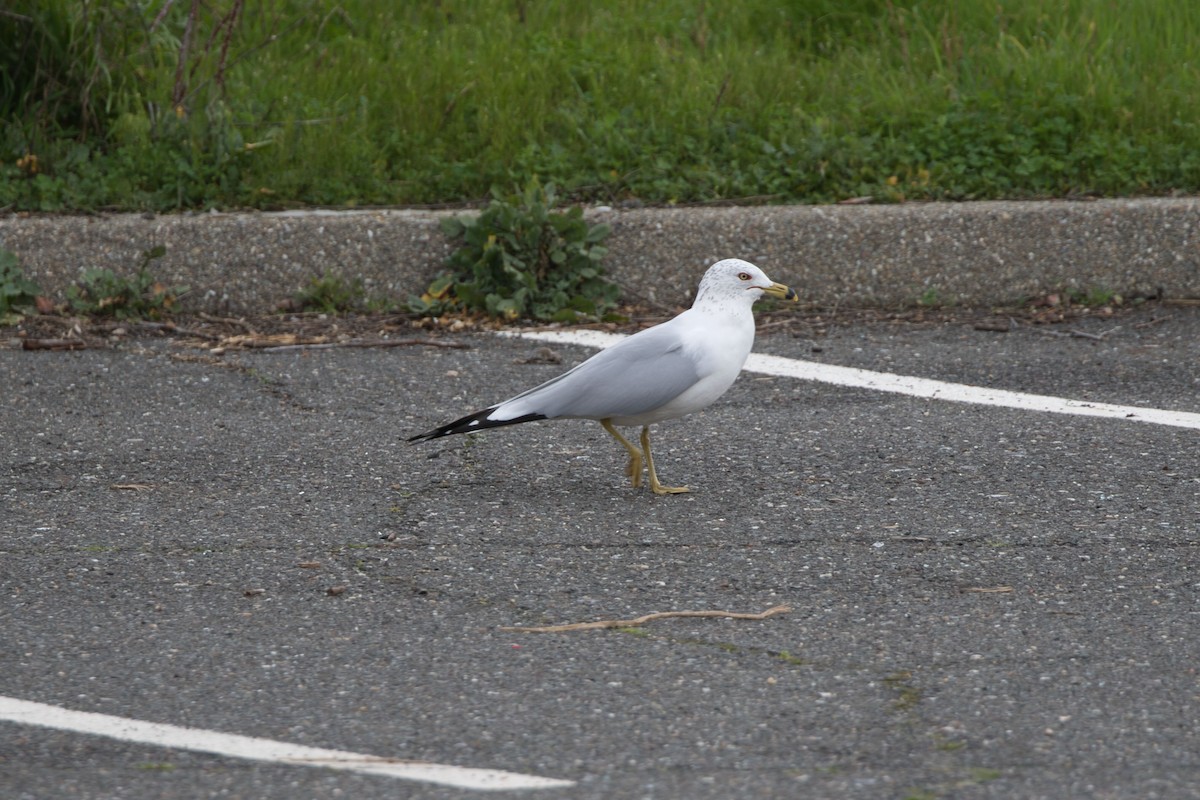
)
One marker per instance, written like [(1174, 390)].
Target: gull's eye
[(745, 276)]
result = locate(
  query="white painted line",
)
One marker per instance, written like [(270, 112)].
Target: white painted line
[(904, 384), (254, 749)]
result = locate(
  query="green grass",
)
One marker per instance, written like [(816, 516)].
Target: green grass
[(679, 101)]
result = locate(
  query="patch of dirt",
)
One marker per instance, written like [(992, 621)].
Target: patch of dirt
[(212, 333)]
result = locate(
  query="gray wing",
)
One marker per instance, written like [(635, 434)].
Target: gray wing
[(634, 376)]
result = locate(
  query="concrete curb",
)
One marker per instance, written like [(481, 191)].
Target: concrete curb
[(969, 253)]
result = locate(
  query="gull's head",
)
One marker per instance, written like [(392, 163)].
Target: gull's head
[(735, 279)]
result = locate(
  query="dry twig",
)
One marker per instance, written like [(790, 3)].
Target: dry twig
[(633, 623), (276, 348), (171, 327), (241, 323)]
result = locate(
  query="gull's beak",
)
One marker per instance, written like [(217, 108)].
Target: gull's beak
[(782, 292)]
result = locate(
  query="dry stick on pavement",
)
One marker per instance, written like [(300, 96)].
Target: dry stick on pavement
[(633, 623), (171, 327), (275, 348), (241, 323)]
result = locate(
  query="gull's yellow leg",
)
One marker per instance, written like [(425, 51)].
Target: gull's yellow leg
[(655, 486), (634, 468)]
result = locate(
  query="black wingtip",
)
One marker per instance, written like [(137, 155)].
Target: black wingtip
[(471, 423)]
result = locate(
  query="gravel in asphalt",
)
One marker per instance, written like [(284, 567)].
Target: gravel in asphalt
[(987, 603)]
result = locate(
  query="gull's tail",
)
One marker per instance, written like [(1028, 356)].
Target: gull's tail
[(473, 422)]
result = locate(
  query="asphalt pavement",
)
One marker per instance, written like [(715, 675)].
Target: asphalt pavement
[(987, 603)]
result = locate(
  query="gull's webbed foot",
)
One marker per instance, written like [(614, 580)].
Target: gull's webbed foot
[(658, 488)]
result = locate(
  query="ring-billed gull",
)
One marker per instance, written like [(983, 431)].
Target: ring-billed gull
[(661, 373)]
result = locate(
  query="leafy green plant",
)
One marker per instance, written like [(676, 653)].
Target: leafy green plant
[(438, 299), (331, 294), (104, 293), (931, 298), (1095, 297), (523, 259), (17, 293)]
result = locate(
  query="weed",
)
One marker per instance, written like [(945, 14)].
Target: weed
[(1095, 297), (104, 293), (18, 294), (787, 658), (331, 294), (522, 259), (983, 774), (640, 633), (932, 298), (438, 299), (377, 304), (908, 696)]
